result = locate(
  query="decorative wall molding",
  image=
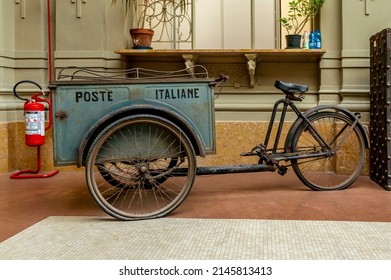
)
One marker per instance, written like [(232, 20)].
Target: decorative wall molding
[(78, 6), (367, 6), (23, 59), (330, 63), (356, 53), (355, 90), (22, 5), (356, 63)]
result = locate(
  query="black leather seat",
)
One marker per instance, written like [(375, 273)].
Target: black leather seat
[(290, 88)]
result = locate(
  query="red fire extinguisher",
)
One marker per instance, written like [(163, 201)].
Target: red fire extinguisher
[(34, 114)]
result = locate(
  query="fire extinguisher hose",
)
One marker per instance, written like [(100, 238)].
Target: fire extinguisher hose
[(26, 81)]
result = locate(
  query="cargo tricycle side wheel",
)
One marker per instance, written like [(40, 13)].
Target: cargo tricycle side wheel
[(140, 167)]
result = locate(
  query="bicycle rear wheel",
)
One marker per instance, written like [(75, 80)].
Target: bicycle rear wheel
[(343, 163), (132, 165)]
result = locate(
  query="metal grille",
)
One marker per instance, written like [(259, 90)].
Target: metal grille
[(171, 21), (380, 109)]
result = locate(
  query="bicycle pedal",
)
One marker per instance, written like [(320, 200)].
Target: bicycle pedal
[(282, 170)]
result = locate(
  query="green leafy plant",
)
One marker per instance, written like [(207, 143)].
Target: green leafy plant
[(299, 13)]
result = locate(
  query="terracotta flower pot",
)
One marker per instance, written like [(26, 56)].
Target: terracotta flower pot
[(141, 38)]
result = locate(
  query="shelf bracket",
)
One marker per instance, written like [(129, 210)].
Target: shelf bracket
[(189, 62), (251, 65)]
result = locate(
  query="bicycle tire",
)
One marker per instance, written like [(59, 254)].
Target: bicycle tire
[(342, 166), (143, 146)]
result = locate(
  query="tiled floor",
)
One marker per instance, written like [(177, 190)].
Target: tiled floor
[(91, 238), (260, 196)]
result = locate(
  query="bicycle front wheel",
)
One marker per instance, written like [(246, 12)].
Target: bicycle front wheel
[(323, 168), (132, 168)]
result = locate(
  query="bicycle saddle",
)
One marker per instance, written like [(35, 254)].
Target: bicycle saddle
[(290, 88)]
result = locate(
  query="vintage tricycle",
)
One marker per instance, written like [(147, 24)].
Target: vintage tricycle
[(138, 132)]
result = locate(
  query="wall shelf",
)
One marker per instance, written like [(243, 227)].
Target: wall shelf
[(269, 55), (251, 57)]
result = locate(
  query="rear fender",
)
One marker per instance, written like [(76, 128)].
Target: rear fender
[(332, 108)]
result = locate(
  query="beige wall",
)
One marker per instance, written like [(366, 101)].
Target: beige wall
[(360, 20), (85, 33), (346, 27), (231, 24), (81, 35)]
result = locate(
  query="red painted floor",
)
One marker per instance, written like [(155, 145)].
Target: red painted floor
[(24, 202)]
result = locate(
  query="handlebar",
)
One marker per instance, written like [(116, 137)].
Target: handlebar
[(222, 78)]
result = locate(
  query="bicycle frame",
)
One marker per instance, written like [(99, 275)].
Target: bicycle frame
[(269, 158), (287, 155)]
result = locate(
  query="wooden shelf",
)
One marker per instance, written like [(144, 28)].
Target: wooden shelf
[(252, 57), (269, 55)]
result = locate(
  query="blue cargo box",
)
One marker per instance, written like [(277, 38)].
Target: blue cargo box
[(82, 108)]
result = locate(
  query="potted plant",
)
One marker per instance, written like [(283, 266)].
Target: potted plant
[(300, 12), (148, 14)]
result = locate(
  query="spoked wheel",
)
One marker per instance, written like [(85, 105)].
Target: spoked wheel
[(341, 165), (140, 167)]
